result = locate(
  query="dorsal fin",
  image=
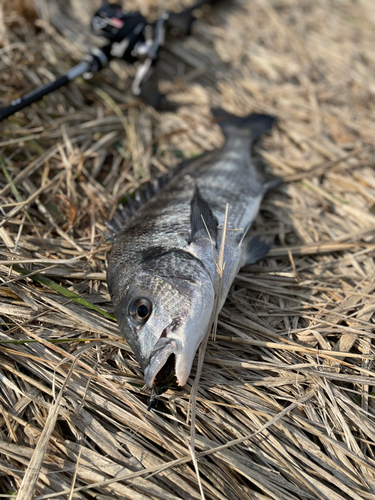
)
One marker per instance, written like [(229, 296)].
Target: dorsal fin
[(143, 194), (201, 217)]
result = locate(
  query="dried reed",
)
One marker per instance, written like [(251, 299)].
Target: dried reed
[(285, 404)]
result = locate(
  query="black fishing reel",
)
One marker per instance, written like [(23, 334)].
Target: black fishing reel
[(130, 38), (111, 22)]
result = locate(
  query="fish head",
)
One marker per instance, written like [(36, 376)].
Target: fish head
[(163, 313)]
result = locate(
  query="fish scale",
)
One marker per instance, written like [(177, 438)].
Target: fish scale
[(163, 260)]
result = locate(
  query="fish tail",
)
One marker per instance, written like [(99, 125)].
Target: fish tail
[(253, 125)]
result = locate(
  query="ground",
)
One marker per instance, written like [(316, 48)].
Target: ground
[(287, 386)]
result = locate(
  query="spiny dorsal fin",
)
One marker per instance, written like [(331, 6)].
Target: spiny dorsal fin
[(135, 201), (201, 218), (145, 193)]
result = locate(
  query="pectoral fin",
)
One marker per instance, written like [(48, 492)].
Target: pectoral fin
[(201, 219)]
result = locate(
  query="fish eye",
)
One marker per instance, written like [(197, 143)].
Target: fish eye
[(140, 310)]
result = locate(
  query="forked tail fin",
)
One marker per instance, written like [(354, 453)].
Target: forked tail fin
[(253, 125)]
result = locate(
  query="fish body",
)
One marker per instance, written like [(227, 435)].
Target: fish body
[(162, 267)]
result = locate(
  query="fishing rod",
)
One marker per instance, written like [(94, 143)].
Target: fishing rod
[(129, 38)]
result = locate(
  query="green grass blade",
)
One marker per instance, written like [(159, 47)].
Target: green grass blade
[(63, 291), (53, 341)]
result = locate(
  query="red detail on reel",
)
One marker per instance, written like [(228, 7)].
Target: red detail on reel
[(117, 23)]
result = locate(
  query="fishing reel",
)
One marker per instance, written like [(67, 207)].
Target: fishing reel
[(133, 40), (129, 38)]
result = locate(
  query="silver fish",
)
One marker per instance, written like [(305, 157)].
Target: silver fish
[(161, 270)]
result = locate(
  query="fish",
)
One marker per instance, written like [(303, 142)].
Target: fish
[(162, 267)]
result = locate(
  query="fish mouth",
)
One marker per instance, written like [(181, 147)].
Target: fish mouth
[(160, 372)]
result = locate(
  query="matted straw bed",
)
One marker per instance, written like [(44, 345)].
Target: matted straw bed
[(285, 407)]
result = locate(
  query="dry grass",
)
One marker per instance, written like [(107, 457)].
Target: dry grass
[(285, 408)]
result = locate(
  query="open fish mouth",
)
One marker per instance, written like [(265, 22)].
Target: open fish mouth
[(160, 373)]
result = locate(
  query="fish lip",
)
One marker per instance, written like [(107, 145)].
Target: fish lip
[(163, 349)]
